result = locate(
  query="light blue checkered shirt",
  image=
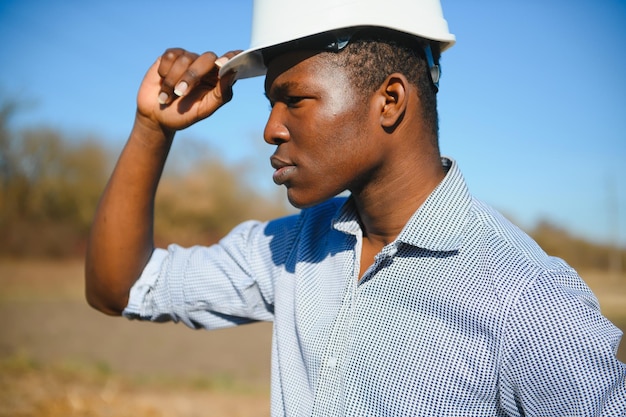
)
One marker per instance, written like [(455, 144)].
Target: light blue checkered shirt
[(462, 315)]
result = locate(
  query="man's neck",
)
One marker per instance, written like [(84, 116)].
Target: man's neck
[(384, 208)]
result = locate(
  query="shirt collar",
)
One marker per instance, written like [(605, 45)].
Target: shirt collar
[(437, 225)]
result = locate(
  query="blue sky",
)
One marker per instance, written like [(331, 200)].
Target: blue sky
[(532, 102)]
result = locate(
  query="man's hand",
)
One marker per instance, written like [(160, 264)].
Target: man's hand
[(182, 88)]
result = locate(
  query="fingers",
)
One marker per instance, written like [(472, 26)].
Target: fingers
[(175, 62), (226, 82), (181, 72), (226, 57)]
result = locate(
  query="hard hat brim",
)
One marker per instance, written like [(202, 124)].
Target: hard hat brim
[(247, 64), (250, 63)]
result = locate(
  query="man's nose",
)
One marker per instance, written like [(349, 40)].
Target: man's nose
[(276, 131)]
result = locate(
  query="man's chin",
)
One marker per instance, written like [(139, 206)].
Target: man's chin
[(303, 202)]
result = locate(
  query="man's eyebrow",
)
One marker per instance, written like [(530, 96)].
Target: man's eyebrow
[(280, 90)]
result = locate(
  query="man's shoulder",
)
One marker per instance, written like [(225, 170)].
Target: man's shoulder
[(506, 247)]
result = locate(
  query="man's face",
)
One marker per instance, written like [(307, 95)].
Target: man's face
[(320, 126)]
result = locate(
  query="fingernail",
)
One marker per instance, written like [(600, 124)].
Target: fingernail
[(163, 98), (219, 62), (181, 88)]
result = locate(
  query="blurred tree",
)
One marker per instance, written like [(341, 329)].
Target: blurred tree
[(50, 186), (7, 153), (578, 252), (202, 203)]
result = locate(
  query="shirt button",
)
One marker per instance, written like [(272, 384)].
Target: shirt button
[(331, 362)]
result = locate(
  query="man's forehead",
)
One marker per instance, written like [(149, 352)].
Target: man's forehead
[(288, 61)]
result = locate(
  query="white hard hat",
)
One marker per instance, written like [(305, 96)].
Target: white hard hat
[(275, 22)]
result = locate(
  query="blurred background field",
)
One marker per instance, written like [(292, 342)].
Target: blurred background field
[(58, 357)]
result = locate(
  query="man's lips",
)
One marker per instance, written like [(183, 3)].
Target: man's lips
[(283, 170)]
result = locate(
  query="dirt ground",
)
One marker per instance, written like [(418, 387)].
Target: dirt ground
[(58, 357)]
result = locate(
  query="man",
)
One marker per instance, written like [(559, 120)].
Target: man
[(408, 298)]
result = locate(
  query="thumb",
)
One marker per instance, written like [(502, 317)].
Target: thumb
[(226, 86)]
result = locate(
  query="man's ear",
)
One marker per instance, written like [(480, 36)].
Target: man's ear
[(394, 94)]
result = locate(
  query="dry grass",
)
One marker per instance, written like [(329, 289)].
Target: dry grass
[(59, 358), (31, 389)]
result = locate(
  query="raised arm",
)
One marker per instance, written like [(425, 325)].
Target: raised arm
[(179, 89)]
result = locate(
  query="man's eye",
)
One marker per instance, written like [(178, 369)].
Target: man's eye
[(293, 100), (289, 101)]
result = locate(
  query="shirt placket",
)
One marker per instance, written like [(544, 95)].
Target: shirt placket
[(329, 395), (329, 387)]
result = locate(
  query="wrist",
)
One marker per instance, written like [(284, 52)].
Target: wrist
[(151, 133)]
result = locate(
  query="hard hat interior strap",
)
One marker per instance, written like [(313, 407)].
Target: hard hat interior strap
[(435, 69)]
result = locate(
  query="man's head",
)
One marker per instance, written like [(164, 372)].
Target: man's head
[(370, 55), (341, 118), (381, 38), (351, 88)]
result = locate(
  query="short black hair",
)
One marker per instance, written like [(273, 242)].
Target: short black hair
[(372, 55)]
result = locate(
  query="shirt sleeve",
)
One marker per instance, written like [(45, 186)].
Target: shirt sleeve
[(218, 286), (560, 353)]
